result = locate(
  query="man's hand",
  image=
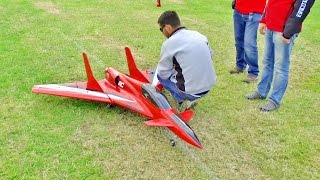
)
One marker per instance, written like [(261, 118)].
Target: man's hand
[(285, 40), (262, 28)]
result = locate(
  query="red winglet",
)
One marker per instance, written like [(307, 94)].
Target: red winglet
[(133, 70), (187, 115), (92, 83)]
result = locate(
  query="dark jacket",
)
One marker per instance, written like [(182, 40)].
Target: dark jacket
[(286, 16)]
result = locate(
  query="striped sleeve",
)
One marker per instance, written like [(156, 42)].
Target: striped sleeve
[(298, 15)]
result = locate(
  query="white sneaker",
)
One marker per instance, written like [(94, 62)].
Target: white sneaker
[(185, 105)]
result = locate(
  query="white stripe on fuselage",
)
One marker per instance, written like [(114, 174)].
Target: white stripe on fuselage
[(83, 91)]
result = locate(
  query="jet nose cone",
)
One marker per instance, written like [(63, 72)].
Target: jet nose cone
[(196, 142), (184, 131), (198, 145)]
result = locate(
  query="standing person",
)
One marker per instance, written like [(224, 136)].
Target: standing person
[(246, 16), (185, 68), (280, 24)]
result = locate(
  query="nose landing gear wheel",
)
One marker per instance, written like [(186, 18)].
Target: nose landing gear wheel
[(109, 106), (172, 142)]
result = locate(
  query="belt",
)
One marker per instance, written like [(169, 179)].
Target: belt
[(251, 13)]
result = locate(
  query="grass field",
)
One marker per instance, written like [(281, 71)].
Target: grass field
[(46, 137)]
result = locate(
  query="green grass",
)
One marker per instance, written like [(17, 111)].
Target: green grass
[(45, 137)]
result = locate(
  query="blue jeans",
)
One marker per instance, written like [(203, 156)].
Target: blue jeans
[(276, 62), (176, 93), (245, 33)]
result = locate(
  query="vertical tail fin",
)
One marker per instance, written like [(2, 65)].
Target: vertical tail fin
[(92, 83), (133, 70)]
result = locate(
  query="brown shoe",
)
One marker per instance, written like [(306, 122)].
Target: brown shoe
[(250, 79), (236, 70)]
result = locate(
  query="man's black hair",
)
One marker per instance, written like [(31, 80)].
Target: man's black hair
[(170, 18)]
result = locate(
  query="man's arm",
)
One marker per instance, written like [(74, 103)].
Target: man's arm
[(294, 22), (165, 65), (262, 23)]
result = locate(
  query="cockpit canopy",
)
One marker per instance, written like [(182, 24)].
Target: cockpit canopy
[(155, 96)]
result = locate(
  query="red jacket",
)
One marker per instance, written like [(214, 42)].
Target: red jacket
[(286, 15), (250, 6)]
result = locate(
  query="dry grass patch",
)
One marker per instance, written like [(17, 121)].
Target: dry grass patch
[(192, 21), (111, 43), (48, 6), (177, 1)]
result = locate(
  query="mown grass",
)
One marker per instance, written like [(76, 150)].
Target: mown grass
[(43, 137)]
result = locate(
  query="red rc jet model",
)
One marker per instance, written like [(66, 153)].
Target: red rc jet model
[(133, 92)]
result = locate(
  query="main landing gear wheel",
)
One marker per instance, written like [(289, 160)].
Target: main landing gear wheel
[(109, 106)]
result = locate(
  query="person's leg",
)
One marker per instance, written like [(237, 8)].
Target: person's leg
[(190, 102), (239, 29), (185, 100), (281, 68), (268, 65), (250, 44), (173, 89)]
